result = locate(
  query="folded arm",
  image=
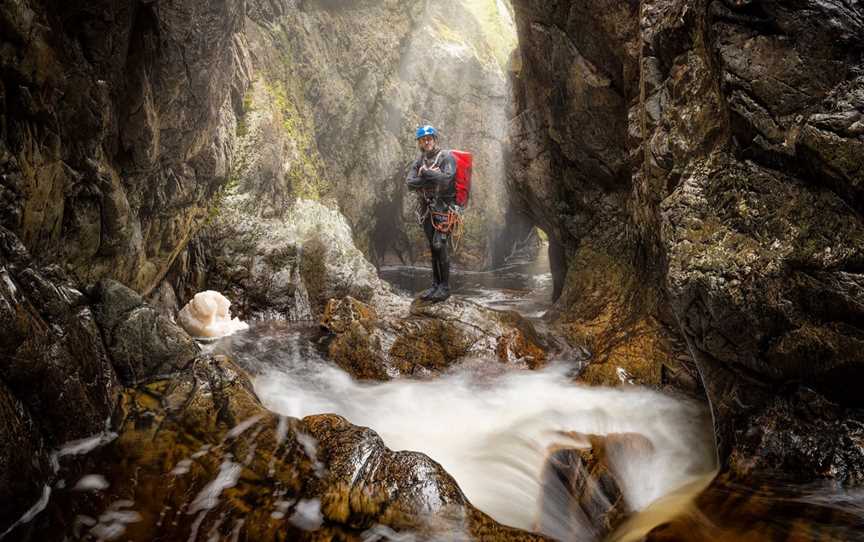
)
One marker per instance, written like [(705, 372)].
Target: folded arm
[(441, 177), (414, 180)]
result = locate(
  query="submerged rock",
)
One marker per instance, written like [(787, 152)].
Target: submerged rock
[(733, 508), (581, 490), (287, 265)]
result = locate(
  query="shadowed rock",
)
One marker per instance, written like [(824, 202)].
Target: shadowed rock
[(53, 359), (23, 460), (56, 379), (696, 175), (117, 129), (142, 343)]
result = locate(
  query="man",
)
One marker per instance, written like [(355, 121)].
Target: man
[(431, 176)]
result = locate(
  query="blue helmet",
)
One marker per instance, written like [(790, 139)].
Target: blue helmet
[(426, 130)]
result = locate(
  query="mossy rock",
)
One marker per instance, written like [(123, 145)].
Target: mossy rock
[(197, 455)]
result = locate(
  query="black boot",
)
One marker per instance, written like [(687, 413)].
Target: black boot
[(429, 292), (443, 290), (426, 294), (440, 294)]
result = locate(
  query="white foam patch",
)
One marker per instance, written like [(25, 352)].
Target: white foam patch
[(92, 482), (208, 498), (182, 467), (208, 315), (241, 427), (85, 445), (113, 522), (307, 515)]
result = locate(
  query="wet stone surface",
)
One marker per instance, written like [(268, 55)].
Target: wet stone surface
[(210, 461)]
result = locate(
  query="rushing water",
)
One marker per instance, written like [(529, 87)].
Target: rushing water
[(490, 427), (493, 434)]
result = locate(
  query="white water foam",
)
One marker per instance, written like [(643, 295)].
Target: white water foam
[(494, 434), (34, 511), (208, 498)]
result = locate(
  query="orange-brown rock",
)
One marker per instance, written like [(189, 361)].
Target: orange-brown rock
[(389, 337), (339, 314), (198, 457), (732, 509)]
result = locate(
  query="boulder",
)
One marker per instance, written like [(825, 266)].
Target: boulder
[(141, 343), (54, 361), (394, 336), (208, 458), (288, 265)]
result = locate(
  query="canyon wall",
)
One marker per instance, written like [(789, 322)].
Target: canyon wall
[(335, 93), (116, 129), (697, 166)]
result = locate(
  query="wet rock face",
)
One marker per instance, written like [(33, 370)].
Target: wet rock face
[(54, 360), (56, 379), (116, 129), (141, 343), (582, 497), (335, 118), (211, 459), (763, 237), (729, 200), (573, 154)]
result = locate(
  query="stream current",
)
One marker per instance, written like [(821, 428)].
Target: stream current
[(491, 427)]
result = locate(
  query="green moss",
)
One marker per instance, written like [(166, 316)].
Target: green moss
[(305, 174), (542, 235), (242, 127), (218, 201), (493, 37)]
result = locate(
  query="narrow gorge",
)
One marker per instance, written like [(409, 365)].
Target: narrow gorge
[(657, 323)]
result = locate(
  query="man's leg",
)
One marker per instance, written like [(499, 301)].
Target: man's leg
[(441, 259), (429, 230)]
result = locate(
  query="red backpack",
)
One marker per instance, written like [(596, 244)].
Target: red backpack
[(464, 164)]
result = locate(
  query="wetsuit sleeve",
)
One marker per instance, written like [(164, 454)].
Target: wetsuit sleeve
[(442, 177), (414, 181)]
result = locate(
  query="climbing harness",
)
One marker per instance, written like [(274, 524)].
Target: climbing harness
[(449, 223)]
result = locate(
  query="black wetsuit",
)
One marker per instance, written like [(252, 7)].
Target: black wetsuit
[(437, 189)]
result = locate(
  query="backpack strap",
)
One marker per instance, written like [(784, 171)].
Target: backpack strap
[(435, 161)]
